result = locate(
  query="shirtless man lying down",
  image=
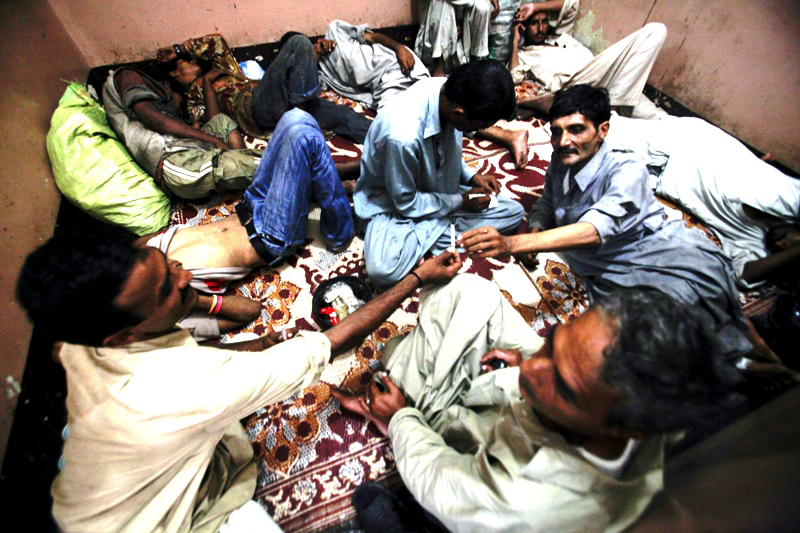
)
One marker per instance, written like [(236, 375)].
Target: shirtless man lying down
[(295, 169)]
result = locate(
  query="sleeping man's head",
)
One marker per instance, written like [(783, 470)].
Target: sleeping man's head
[(96, 288)]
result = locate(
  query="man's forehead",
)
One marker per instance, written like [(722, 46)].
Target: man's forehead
[(538, 17), (140, 290), (574, 118)]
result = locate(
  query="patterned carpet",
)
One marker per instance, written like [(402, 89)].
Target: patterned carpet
[(312, 454)]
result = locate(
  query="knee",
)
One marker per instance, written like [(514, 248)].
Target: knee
[(299, 43), (656, 31)]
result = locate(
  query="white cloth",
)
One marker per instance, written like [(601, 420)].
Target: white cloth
[(155, 441), (712, 175), (367, 73), (250, 518), (622, 68), (438, 32), (478, 458)]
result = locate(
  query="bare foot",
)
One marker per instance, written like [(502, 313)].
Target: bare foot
[(519, 148), (541, 102), (349, 186)]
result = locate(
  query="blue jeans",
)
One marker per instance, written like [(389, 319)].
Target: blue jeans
[(291, 80), (297, 168)]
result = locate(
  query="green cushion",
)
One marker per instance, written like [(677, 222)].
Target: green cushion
[(96, 172)]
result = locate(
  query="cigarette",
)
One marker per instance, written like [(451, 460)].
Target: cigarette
[(477, 195), (452, 237), (284, 334)]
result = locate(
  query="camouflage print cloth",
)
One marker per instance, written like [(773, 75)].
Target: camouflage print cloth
[(234, 90)]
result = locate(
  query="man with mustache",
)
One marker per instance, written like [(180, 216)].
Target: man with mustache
[(598, 209), (570, 438), (155, 443), (555, 60)]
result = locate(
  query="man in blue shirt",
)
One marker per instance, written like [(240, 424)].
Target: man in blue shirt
[(414, 183), (598, 209)]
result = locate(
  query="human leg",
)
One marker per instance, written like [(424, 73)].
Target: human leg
[(296, 168), (436, 363), (623, 67), (437, 39), (393, 245), (339, 119), (289, 81), (475, 26)]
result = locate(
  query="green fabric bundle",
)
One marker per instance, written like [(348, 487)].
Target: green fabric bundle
[(96, 172)]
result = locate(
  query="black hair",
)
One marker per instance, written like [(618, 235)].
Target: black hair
[(591, 102), (69, 284), (484, 89), (666, 362)]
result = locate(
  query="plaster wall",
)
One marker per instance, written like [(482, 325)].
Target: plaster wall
[(734, 62), (35, 55), (117, 31)]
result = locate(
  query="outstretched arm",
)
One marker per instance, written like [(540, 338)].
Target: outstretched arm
[(488, 242), (352, 330), (404, 55)]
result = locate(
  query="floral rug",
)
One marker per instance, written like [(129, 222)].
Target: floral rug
[(311, 453)]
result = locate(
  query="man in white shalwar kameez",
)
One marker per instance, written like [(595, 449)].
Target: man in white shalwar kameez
[(551, 443), (555, 61)]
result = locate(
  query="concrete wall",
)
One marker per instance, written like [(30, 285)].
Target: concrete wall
[(115, 31), (36, 55), (735, 62)]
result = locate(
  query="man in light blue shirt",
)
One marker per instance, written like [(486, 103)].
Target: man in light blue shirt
[(414, 183)]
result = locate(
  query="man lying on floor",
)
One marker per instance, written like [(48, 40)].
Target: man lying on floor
[(155, 441), (598, 209), (414, 182), (553, 59), (296, 169), (290, 81), (748, 204), (568, 439)]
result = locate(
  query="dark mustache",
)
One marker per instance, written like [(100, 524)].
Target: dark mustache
[(567, 150)]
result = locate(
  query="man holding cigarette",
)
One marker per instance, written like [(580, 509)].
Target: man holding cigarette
[(414, 183)]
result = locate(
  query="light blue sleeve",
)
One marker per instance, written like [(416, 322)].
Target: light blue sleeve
[(401, 167)]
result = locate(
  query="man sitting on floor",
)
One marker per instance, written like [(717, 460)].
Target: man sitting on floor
[(556, 60), (414, 183), (257, 106), (371, 68), (569, 438), (598, 209), (739, 197), (155, 441)]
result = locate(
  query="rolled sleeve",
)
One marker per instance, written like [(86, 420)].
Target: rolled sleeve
[(615, 212)]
